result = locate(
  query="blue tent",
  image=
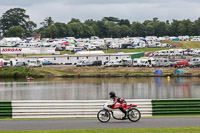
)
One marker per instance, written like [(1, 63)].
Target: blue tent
[(158, 72), (180, 71)]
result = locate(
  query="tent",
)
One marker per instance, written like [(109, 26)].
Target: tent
[(158, 72), (180, 71)]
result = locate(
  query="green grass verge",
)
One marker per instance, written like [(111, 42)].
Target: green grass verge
[(6, 56), (120, 130), (190, 44), (36, 54), (54, 72), (18, 72), (50, 71), (67, 52)]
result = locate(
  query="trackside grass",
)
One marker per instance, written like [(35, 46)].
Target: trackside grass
[(132, 130)]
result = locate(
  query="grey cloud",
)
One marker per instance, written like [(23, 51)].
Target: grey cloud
[(83, 2), (134, 10)]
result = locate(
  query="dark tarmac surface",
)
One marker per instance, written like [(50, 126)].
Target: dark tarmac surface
[(61, 124)]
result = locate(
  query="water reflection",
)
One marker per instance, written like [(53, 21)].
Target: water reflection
[(98, 88)]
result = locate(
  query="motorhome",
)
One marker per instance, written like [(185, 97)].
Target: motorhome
[(194, 62), (139, 62), (176, 52), (34, 63), (162, 62), (144, 62), (195, 52)]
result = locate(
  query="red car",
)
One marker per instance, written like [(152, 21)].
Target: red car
[(181, 64)]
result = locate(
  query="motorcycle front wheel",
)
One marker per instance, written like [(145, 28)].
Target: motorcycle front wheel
[(134, 115), (103, 116)]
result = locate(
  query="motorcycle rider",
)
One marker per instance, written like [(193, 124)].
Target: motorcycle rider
[(122, 102)]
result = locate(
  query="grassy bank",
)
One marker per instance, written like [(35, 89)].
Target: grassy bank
[(73, 71), (129, 130), (67, 71), (6, 56), (20, 72), (184, 44)]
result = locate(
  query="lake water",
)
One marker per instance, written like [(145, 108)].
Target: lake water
[(98, 88)]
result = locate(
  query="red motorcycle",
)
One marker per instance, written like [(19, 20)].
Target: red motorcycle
[(105, 114)]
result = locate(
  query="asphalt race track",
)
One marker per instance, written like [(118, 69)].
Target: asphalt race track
[(61, 124)]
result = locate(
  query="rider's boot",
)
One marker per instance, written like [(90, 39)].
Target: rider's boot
[(124, 116), (124, 111)]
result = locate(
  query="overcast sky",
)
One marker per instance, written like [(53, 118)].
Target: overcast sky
[(134, 10)]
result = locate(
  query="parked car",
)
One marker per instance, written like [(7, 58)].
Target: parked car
[(109, 64), (117, 63), (46, 63), (21, 64), (181, 64), (95, 63)]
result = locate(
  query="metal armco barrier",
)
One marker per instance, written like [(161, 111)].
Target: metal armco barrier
[(68, 108), (176, 107), (89, 108), (5, 109)]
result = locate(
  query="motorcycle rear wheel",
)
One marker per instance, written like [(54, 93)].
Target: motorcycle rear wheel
[(103, 116), (134, 115)]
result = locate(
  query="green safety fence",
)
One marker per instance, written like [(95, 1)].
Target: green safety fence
[(138, 55), (176, 107), (5, 109)]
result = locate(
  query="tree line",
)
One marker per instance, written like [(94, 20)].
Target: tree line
[(16, 23)]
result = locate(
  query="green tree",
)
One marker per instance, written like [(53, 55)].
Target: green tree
[(124, 30), (75, 30), (110, 28), (16, 17), (88, 31), (149, 28), (174, 28), (50, 32), (197, 26), (124, 22), (62, 29), (112, 19), (90, 22), (30, 25), (74, 20), (150, 31), (184, 27), (15, 31), (138, 29), (47, 22), (102, 30), (116, 31), (161, 29)]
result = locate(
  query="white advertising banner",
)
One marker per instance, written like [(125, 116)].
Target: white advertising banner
[(8, 50)]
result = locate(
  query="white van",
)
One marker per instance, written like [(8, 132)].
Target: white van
[(34, 63), (83, 62)]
